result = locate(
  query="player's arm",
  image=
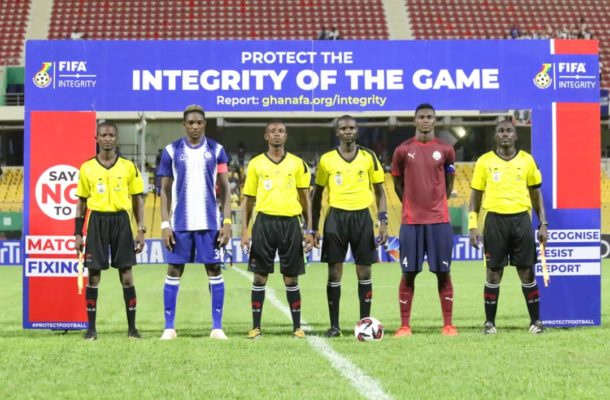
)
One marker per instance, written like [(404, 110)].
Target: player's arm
[(538, 206), (137, 202), (306, 205), (399, 188), (316, 208), (79, 223), (247, 209), (476, 196), (449, 179), (382, 207), (225, 197), (166, 203)]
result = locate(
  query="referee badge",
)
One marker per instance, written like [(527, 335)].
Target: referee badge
[(100, 187), (496, 176), (338, 178), (268, 184)]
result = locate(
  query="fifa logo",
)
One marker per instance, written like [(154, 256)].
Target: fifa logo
[(543, 80), (42, 79)]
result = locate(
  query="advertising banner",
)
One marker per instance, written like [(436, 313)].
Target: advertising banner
[(558, 80)]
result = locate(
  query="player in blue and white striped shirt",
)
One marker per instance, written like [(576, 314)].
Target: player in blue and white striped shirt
[(190, 218)]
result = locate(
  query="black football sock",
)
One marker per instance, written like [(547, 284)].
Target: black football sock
[(490, 297), (91, 301), (333, 295), (129, 295)]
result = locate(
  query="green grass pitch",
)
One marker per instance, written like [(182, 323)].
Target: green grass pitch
[(564, 363)]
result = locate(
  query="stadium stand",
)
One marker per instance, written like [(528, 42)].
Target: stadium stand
[(493, 19), (11, 190), (217, 19), (13, 24)]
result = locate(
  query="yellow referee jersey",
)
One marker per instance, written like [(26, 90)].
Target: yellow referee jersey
[(349, 182), (109, 189), (506, 183), (275, 184)]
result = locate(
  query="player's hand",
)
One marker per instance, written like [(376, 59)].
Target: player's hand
[(139, 242), (475, 238), (224, 235), (168, 238), (316, 239), (245, 241), (79, 243), (383, 234), (309, 242), (542, 234)]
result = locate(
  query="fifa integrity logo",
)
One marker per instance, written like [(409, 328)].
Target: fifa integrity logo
[(543, 80), (42, 79)]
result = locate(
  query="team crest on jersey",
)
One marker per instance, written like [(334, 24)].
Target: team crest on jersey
[(436, 155), (268, 184), (183, 157), (101, 188), (496, 176), (338, 178), (207, 155)]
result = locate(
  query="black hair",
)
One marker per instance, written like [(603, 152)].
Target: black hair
[(106, 122), (425, 106), (274, 121), (193, 108), (345, 117)]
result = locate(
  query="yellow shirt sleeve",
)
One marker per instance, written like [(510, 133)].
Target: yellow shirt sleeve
[(479, 178), (303, 176), (376, 173), (136, 183), (82, 188), (534, 178), (321, 173), (251, 184)]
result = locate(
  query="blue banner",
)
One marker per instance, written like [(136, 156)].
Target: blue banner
[(304, 75), (557, 80)]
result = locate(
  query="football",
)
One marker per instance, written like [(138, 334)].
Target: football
[(368, 329)]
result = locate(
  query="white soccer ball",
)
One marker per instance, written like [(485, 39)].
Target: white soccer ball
[(368, 329)]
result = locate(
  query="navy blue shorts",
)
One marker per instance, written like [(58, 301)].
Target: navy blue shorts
[(195, 246), (432, 240)]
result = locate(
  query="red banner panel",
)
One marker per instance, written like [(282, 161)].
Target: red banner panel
[(578, 155)]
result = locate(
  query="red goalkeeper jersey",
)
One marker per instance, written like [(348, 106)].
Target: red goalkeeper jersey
[(422, 168)]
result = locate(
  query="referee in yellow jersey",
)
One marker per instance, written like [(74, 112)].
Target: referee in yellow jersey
[(511, 182), (109, 186), (349, 172), (278, 183)]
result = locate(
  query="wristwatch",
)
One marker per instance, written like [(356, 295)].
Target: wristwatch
[(142, 229)]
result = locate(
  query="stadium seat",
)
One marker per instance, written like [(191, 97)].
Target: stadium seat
[(233, 19)]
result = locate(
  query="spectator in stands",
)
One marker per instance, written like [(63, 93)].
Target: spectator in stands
[(334, 34), (323, 35), (514, 32), (77, 34), (241, 154)]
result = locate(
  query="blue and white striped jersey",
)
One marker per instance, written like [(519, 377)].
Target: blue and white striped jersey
[(194, 171)]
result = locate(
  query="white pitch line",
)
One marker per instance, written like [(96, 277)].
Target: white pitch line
[(365, 385)]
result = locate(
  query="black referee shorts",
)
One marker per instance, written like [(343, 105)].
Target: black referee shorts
[(353, 228), (509, 239), (271, 234), (109, 234)]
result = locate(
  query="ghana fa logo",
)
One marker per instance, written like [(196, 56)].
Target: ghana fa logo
[(42, 79), (543, 80)]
